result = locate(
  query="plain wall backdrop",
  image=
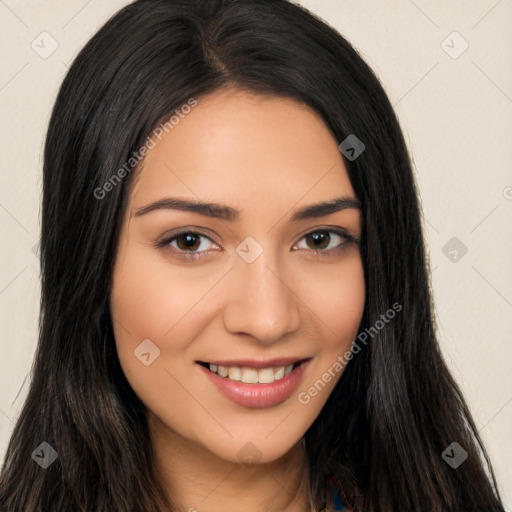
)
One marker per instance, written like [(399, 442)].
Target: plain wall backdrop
[(447, 67)]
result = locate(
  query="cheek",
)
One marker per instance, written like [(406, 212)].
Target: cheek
[(151, 298), (337, 297), (153, 301), (350, 302), (338, 308)]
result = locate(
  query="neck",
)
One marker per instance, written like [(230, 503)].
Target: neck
[(197, 480)]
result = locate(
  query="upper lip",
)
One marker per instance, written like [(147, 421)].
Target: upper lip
[(257, 363)]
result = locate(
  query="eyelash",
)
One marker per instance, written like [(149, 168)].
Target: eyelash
[(195, 255)]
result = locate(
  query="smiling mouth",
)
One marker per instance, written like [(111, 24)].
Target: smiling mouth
[(248, 375)]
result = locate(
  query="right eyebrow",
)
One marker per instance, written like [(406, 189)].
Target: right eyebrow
[(217, 211)]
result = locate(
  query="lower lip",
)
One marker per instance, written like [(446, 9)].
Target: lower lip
[(258, 396)]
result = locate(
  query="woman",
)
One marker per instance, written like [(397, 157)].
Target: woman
[(235, 307)]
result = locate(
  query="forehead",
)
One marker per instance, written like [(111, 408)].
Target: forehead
[(241, 147)]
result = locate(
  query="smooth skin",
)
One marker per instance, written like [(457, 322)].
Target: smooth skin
[(266, 157)]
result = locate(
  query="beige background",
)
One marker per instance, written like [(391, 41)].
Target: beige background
[(455, 109)]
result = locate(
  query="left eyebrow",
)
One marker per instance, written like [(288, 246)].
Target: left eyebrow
[(326, 208)]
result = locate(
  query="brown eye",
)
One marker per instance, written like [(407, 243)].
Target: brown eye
[(188, 241), (319, 239), (188, 244), (324, 241)]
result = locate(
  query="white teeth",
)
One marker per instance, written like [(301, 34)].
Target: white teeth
[(266, 376), (279, 373), (235, 373), (249, 375), (252, 375)]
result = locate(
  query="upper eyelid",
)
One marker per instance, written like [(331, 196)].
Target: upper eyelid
[(335, 229)]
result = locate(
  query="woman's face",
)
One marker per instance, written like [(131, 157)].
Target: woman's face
[(250, 282)]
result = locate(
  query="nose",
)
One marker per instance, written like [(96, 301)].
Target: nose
[(261, 302)]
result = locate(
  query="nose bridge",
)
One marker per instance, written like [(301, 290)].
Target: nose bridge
[(261, 304)]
